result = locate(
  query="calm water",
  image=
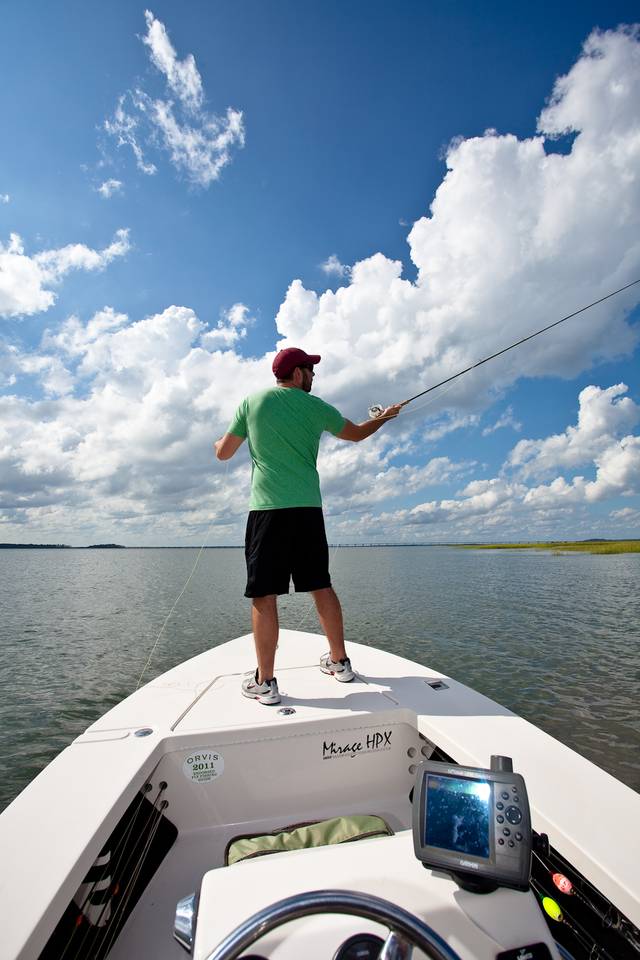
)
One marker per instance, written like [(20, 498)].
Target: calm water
[(553, 638)]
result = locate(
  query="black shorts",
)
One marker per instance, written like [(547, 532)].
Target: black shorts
[(285, 544)]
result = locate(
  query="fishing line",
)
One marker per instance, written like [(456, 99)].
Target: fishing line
[(376, 409), (179, 597), (310, 603), (427, 403)]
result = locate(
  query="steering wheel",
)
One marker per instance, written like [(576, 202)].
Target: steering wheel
[(405, 930)]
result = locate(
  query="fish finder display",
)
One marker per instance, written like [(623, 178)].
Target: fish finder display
[(457, 814), (473, 823)]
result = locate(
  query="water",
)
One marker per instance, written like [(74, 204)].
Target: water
[(555, 639)]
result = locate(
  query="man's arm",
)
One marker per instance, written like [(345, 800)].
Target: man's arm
[(360, 431), (226, 446)]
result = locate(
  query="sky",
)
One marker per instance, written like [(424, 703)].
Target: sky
[(402, 188)]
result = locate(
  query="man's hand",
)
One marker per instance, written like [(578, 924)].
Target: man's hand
[(360, 431), (389, 412)]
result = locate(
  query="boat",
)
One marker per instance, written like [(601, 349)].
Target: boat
[(125, 845)]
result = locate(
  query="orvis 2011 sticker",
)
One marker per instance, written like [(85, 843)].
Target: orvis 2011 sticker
[(203, 766)]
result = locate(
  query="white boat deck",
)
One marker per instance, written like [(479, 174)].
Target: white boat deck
[(63, 817)]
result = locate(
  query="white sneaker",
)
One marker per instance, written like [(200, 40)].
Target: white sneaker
[(265, 692), (340, 669)]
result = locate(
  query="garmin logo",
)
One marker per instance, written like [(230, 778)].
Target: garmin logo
[(525, 956), (468, 863), (373, 743)]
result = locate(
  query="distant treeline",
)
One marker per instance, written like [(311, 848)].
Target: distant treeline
[(35, 546), (59, 546)]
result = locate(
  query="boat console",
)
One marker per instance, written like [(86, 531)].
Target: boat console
[(471, 903)]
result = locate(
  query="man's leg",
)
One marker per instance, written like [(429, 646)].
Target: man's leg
[(330, 615), (264, 619)]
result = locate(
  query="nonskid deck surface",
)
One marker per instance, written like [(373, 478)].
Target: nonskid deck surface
[(312, 695), (148, 932), (204, 692)]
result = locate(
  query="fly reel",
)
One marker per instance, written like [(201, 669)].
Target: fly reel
[(375, 410)]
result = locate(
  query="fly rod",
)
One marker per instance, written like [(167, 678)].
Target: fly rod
[(376, 409)]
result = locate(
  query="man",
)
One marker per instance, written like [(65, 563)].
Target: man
[(285, 535)]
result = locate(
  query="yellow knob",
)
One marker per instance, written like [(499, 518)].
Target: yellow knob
[(552, 909)]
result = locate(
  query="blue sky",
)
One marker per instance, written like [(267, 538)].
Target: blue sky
[(403, 189)]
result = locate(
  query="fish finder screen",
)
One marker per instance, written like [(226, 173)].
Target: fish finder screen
[(457, 815)]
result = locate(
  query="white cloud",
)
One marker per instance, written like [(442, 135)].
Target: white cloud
[(56, 380), (618, 471), (603, 415), (333, 267), (627, 522), (4, 198), (54, 264), (133, 412), (199, 143), (626, 513), (126, 130), (617, 474), (598, 94), (182, 76), (134, 407), (357, 476), (109, 187), (137, 438), (447, 424), (481, 498), (598, 441), (232, 327), (512, 241), (506, 419), (558, 492), (201, 150), (25, 281), (503, 506)]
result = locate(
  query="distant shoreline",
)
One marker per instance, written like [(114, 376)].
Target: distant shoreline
[(60, 546), (566, 546), (599, 546)]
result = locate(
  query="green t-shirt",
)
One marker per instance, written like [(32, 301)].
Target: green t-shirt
[(283, 426)]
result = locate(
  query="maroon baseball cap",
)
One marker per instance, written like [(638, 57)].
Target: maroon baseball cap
[(287, 360)]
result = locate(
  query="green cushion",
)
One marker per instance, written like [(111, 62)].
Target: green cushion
[(301, 835)]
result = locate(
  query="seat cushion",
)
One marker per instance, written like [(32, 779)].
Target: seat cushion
[(298, 836)]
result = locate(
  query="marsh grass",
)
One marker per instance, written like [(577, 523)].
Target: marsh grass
[(566, 546)]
